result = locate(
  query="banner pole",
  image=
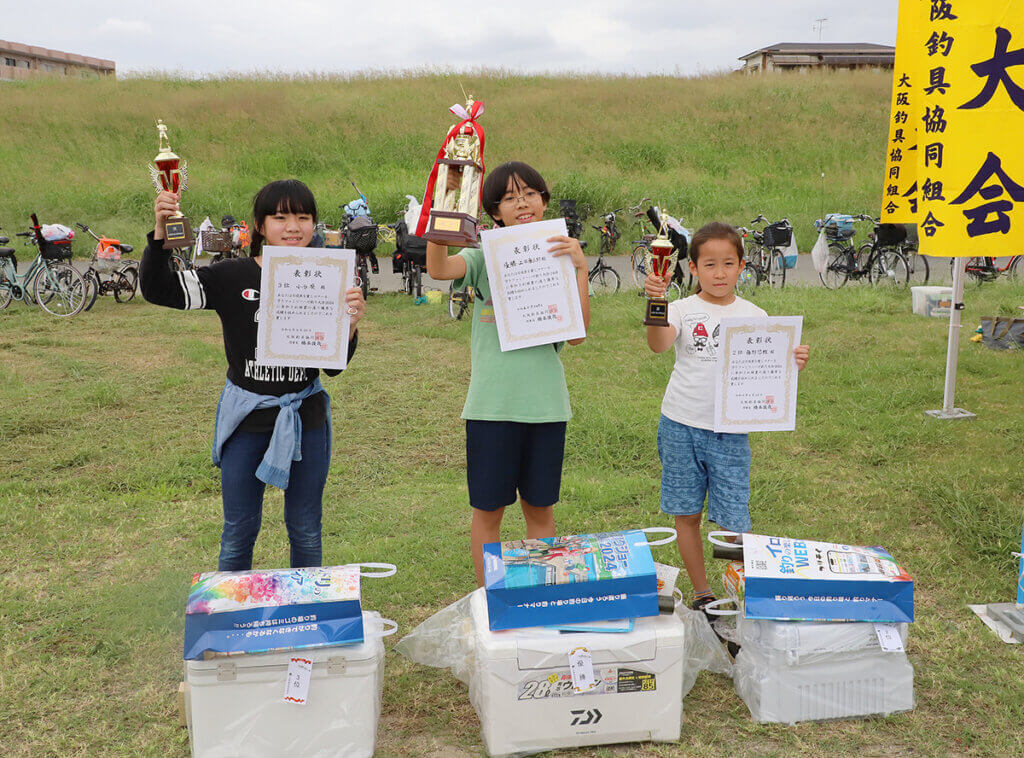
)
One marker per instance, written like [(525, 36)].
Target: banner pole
[(948, 410)]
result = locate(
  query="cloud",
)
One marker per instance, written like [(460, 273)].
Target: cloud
[(118, 27)]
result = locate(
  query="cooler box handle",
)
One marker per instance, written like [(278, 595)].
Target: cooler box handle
[(660, 530), (386, 570), (386, 629)]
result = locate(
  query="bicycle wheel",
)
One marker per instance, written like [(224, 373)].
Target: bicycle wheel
[(604, 280), (918, 266), (674, 291), (6, 292), (458, 301), (836, 266), (638, 265), (417, 280), (124, 285), (776, 269), (92, 287), (364, 276), (889, 269), (748, 280), (1013, 271), (178, 262), (59, 289)]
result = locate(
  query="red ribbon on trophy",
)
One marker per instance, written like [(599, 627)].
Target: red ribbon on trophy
[(469, 123)]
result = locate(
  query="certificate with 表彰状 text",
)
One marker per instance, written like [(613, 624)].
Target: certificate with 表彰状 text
[(756, 382), (303, 318), (535, 295)]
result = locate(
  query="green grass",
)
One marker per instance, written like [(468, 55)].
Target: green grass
[(723, 147), (109, 503)]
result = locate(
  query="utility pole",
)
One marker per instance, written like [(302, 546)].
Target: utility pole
[(819, 23)]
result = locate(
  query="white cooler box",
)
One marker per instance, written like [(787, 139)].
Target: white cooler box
[(790, 671), (522, 690), (235, 704), (932, 301)]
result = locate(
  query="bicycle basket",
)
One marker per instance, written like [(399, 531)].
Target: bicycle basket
[(56, 251), (216, 241), (362, 239), (567, 208), (887, 235), (838, 226), (779, 234), (108, 249)]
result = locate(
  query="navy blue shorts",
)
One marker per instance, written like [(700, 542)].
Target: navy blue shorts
[(503, 457)]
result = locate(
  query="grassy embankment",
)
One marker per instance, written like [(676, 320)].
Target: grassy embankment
[(721, 147), (108, 503)]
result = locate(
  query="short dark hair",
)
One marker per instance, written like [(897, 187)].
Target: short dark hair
[(496, 184), (288, 195), (716, 230)]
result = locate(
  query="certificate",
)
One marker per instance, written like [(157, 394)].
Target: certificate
[(757, 375), (536, 298), (303, 319)]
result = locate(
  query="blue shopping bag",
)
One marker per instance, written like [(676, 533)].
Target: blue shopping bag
[(571, 579), (278, 609)]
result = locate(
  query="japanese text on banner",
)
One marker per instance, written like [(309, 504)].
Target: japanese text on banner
[(899, 188), (970, 165)]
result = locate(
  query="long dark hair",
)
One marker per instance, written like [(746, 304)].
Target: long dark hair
[(287, 195), (496, 184), (716, 230)]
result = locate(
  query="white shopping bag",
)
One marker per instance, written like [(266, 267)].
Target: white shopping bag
[(819, 254), (792, 253)]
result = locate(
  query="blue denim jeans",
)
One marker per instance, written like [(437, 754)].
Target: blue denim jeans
[(243, 498)]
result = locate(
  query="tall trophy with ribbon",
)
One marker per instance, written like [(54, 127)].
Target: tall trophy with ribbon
[(661, 261), (171, 173), (449, 216)]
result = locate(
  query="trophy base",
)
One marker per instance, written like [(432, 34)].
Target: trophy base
[(451, 229), (657, 312), (178, 233)]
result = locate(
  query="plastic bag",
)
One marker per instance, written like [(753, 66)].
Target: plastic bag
[(446, 640), (808, 642), (702, 649), (57, 232), (819, 254)]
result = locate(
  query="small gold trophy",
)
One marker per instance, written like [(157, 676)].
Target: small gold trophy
[(453, 213), (661, 260), (171, 173)]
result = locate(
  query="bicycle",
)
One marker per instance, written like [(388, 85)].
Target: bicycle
[(609, 231), (984, 269), (917, 263), (879, 260), (108, 273), (574, 216), (409, 259), (764, 258), (56, 286), (603, 278), (459, 300)]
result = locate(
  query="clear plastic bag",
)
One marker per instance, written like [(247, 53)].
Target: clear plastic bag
[(808, 642), (446, 640)]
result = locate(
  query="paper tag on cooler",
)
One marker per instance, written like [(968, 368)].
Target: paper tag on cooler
[(666, 578), (296, 685), (581, 666), (889, 638)]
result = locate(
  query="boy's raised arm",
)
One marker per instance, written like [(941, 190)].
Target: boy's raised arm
[(442, 266)]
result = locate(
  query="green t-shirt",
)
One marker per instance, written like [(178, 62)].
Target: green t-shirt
[(526, 385)]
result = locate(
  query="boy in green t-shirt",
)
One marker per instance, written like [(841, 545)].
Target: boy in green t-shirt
[(518, 404)]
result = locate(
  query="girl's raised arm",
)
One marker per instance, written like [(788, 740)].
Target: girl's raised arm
[(442, 266)]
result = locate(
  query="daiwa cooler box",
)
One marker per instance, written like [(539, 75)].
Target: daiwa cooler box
[(522, 689), (571, 579), (235, 704), (791, 671)]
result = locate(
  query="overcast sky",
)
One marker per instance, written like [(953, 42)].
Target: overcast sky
[(611, 36)]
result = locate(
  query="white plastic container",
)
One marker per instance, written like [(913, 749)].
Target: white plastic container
[(932, 301), (522, 691), (235, 705), (791, 671)]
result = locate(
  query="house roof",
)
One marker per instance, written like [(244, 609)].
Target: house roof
[(57, 56), (823, 48)]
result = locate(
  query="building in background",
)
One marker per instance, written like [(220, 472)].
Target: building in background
[(804, 56), (19, 62)]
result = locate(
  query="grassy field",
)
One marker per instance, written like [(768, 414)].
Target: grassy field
[(721, 147), (108, 503)]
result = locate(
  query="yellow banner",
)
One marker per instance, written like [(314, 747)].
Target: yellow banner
[(970, 159), (899, 190)]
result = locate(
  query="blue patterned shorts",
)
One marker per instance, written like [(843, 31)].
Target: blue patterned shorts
[(696, 463)]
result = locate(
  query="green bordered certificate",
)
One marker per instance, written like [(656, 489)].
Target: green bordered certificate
[(757, 375), (536, 298), (303, 319)]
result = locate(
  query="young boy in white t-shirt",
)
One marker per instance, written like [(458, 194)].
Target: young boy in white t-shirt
[(696, 461)]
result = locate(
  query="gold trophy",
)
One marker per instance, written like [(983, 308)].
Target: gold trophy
[(661, 260), (453, 213), (171, 173)]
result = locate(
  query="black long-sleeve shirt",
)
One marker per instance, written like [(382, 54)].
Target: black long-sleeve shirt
[(232, 288)]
